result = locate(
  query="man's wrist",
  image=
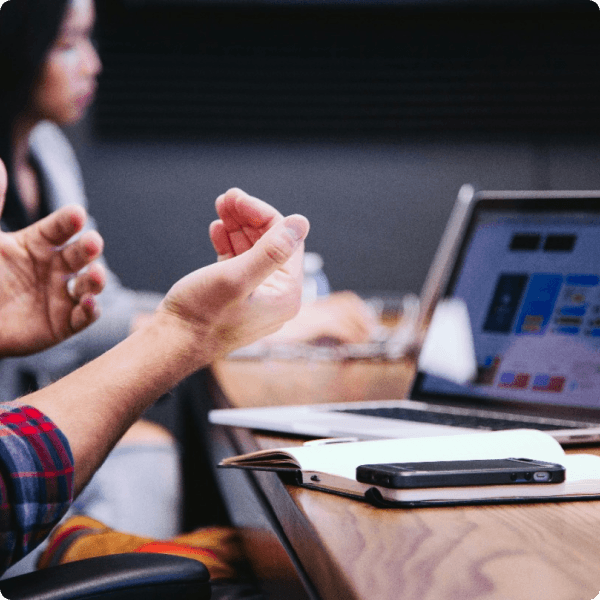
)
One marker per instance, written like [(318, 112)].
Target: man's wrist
[(183, 346)]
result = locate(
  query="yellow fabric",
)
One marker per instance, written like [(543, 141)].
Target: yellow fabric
[(218, 548)]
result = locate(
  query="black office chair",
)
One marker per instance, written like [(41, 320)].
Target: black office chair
[(134, 576)]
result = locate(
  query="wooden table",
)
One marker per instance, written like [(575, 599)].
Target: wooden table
[(345, 549)]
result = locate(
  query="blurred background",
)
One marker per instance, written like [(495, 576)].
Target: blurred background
[(366, 117)]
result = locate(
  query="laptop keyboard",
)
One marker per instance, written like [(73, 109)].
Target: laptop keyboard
[(463, 420)]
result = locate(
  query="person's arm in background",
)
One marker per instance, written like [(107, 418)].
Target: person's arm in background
[(339, 318)]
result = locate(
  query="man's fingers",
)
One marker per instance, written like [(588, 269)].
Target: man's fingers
[(220, 240), (239, 210), (232, 243), (84, 313), (83, 251), (272, 251), (90, 282), (58, 227)]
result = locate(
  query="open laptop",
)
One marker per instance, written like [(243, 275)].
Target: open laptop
[(527, 266)]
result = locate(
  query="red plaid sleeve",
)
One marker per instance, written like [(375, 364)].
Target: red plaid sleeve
[(36, 479)]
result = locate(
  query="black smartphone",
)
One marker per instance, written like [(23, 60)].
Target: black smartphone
[(451, 473)]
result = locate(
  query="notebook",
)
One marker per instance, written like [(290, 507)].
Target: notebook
[(333, 467), (526, 265)]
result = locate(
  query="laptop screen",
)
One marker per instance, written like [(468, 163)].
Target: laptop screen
[(529, 273)]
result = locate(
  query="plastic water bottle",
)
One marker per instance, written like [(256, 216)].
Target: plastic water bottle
[(316, 284)]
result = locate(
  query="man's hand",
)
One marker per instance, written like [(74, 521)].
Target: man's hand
[(43, 299), (254, 288)]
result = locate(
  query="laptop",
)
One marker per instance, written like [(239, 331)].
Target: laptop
[(526, 264)]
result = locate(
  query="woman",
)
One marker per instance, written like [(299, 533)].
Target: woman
[(48, 70)]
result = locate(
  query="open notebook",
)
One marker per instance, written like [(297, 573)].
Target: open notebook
[(331, 467), (527, 267)]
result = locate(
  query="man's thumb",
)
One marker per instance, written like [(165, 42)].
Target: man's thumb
[(275, 248)]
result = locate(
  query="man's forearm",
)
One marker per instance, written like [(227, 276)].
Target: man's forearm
[(96, 404)]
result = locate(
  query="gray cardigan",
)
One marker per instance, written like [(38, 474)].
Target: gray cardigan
[(64, 185)]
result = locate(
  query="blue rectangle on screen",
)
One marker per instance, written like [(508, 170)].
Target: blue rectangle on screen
[(573, 311), (595, 332), (585, 280), (541, 380), (505, 302), (538, 305), (567, 330)]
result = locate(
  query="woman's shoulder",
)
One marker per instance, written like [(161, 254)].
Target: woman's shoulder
[(58, 165), (47, 138)]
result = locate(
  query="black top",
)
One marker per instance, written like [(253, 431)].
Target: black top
[(14, 215)]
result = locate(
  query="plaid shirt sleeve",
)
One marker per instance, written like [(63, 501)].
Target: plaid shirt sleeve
[(36, 479)]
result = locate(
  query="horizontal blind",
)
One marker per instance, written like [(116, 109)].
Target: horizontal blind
[(202, 71)]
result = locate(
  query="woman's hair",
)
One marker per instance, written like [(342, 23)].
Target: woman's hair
[(28, 29)]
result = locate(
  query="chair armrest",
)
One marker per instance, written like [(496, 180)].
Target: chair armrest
[(133, 576)]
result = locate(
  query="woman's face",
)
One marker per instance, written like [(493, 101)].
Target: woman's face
[(67, 83)]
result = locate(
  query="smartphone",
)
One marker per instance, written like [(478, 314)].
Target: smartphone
[(451, 473)]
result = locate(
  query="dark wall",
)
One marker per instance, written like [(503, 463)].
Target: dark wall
[(378, 196)]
